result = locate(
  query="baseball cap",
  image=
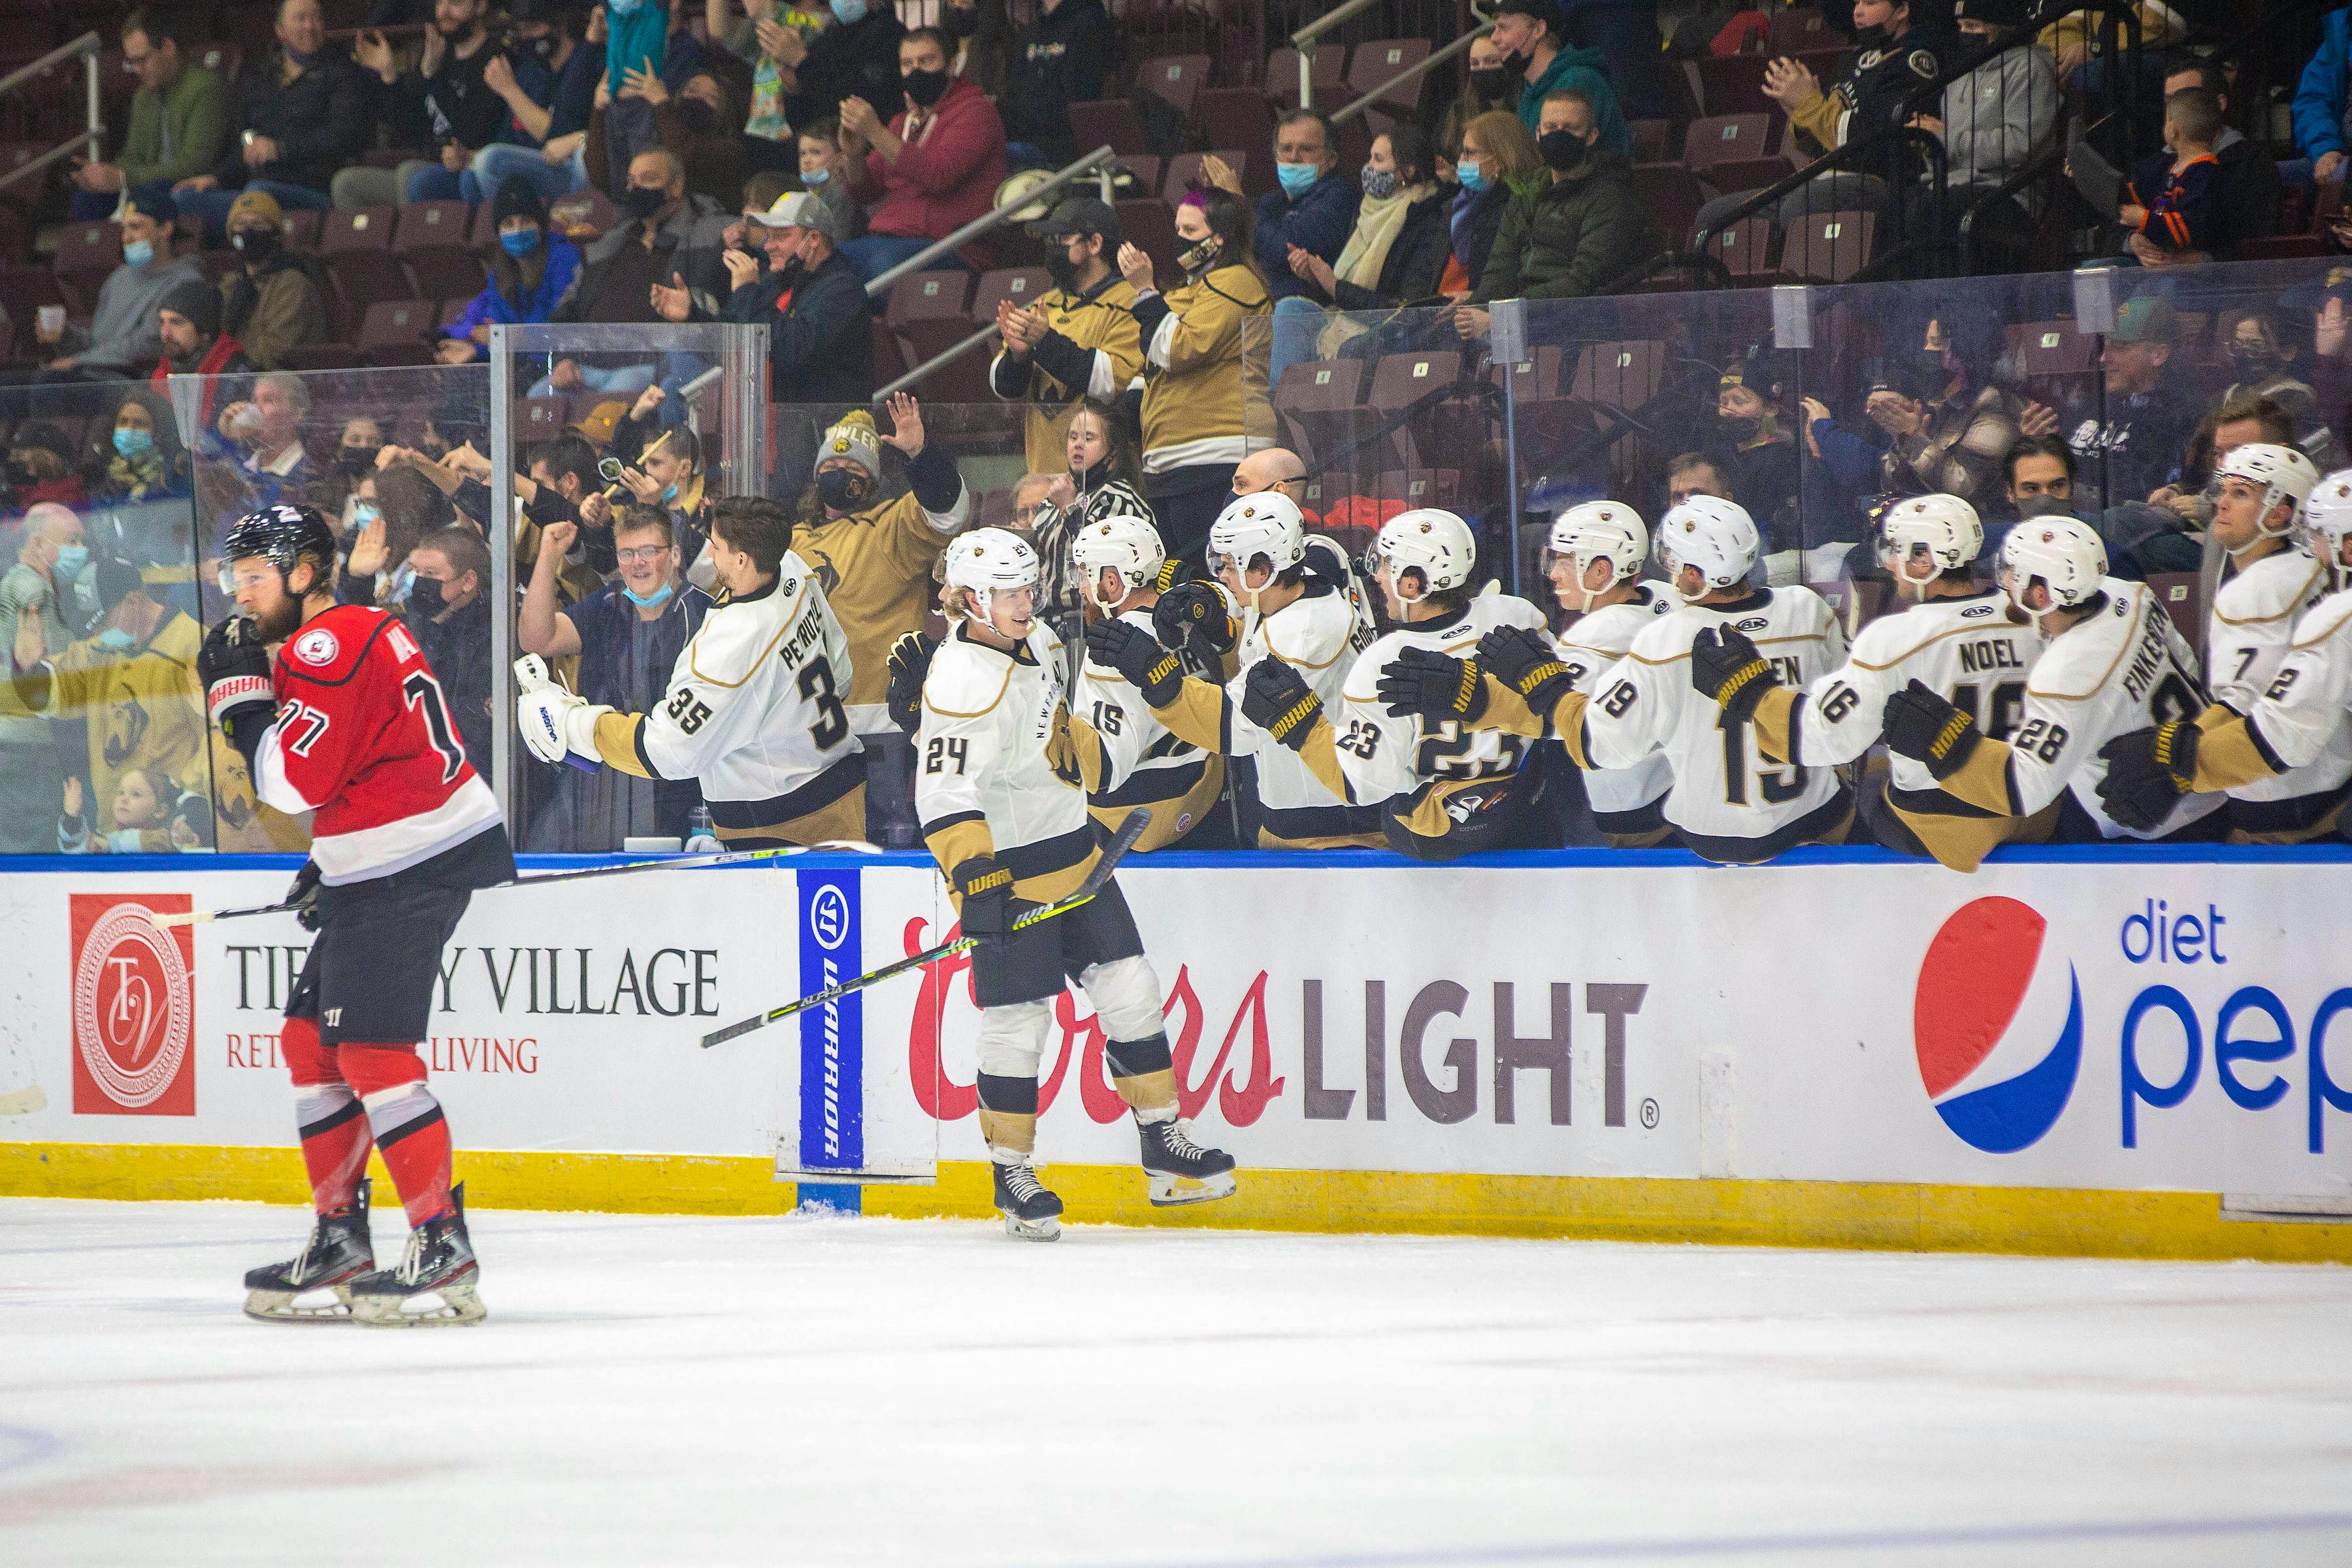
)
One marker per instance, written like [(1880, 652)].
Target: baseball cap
[(2146, 319), (1078, 215), (798, 209)]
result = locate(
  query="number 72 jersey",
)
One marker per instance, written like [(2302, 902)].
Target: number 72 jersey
[(365, 741)]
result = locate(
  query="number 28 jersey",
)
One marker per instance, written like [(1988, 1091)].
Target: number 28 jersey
[(365, 741)]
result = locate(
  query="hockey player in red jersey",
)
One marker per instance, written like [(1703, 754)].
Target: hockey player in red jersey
[(349, 724)]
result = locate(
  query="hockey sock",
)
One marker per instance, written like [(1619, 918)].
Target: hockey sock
[(1143, 1073), (334, 1127), (407, 1123), (1008, 1116)]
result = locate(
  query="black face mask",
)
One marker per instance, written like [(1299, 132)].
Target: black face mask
[(642, 204), (1739, 429), (1868, 39), (1488, 81), (255, 244), (1064, 271), (425, 598), (1935, 373), (924, 88), (1563, 151), (433, 447), (1197, 258), (844, 490), (2253, 364), (960, 22), (2045, 506), (699, 118), (356, 460)]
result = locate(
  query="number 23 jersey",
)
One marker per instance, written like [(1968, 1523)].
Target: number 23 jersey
[(365, 740)]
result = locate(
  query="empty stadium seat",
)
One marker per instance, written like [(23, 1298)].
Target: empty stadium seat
[(396, 321), (433, 226), (89, 247), (1653, 140), (441, 273), (1734, 84), (1827, 247), (1801, 29), (927, 296), (1331, 71), (1150, 225), (1234, 117), (1730, 153), (1176, 78), (1024, 286), (1618, 374), (1371, 64), (347, 229), (1110, 121), (362, 278), (1745, 249)]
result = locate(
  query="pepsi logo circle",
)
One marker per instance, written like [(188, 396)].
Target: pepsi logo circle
[(1995, 1064)]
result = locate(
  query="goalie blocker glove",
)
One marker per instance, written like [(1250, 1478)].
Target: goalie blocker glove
[(1435, 685), (1726, 667), (1529, 664), (1277, 700), (1151, 668), (2147, 773), (1922, 725), (910, 661)]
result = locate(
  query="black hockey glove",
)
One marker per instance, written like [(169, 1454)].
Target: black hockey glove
[(2147, 773), (1434, 685), (1194, 613), (1923, 726), (910, 662), (304, 896), (234, 669), (1278, 702), (1726, 665), (1129, 649), (1527, 663), (986, 888)]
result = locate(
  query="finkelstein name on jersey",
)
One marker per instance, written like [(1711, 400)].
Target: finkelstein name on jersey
[(533, 981)]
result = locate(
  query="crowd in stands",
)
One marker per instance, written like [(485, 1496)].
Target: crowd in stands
[(479, 163)]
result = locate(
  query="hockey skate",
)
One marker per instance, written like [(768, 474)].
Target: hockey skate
[(338, 1253), (1031, 1210), (1180, 1170), (434, 1283)]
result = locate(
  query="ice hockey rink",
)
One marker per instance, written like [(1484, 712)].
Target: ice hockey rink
[(831, 1390)]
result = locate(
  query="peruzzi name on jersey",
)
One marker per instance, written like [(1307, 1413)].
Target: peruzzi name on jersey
[(365, 740)]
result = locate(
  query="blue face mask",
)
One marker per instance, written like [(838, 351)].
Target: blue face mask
[(139, 252), (114, 639), (815, 176), (625, 7), (72, 560), (1473, 178), (649, 601), (364, 513), (848, 12), (1296, 177), (671, 494), (518, 243), (131, 442)]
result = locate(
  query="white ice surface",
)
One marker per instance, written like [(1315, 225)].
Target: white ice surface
[(840, 1391)]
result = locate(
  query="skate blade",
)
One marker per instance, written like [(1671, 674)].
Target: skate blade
[(1174, 1191), (1032, 1230), (280, 1306), (454, 1304)]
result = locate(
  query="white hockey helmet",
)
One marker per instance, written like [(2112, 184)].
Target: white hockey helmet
[(1946, 527), (2064, 553), (2284, 475), (1598, 530), (988, 561), (1715, 536), (1126, 545), (1430, 540), (2328, 523), (1268, 523)]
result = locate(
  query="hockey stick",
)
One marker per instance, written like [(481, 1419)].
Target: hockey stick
[(1121, 842), (683, 862)]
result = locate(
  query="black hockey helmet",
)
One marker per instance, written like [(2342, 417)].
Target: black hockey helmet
[(281, 535)]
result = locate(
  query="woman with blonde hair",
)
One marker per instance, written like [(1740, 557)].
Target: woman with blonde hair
[(1497, 158)]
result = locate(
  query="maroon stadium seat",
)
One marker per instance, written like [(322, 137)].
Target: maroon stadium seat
[(433, 226), (927, 296), (1827, 247), (1330, 68), (1176, 78), (1024, 286), (1111, 120), (89, 247), (395, 321), (1184, 171), (347, 229), (1373, 63)]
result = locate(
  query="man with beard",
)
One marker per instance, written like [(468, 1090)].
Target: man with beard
[(351, 696), (819, 321), (1080, 341)]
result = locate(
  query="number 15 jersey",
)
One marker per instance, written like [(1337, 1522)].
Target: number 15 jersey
[(365, 740)]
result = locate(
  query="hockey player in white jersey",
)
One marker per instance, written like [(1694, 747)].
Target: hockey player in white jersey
[(1728, 802), (1444, 789), (1299, 609), (754, 712), (1122, 571), (2112, 661), (1002, 774), (1963, 639), (2293, 727)]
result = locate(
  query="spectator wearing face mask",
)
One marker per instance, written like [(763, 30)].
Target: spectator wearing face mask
[(449, 615), (856, 56), (393, 510), (983, 38), (532, 271), (122, 332), (932, 169), (1575, 232), (270, 304), (626, 636), (143, 460), (825, 174), (1486, 87), (2265, 365), (1496, 161), (669, 237), (811, 299), (700, 126), (1533, 36), (549, 87), (1312, 209), (1063, 56), (1077, 342), (1395, 253), (48, 586), (2037, 479)]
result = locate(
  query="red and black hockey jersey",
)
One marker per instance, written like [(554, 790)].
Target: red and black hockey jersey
[(365, 740)]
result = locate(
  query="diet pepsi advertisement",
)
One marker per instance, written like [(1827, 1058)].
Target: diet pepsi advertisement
[(2183, 1027)]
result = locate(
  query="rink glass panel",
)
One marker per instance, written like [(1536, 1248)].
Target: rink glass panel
[(124, 727)]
